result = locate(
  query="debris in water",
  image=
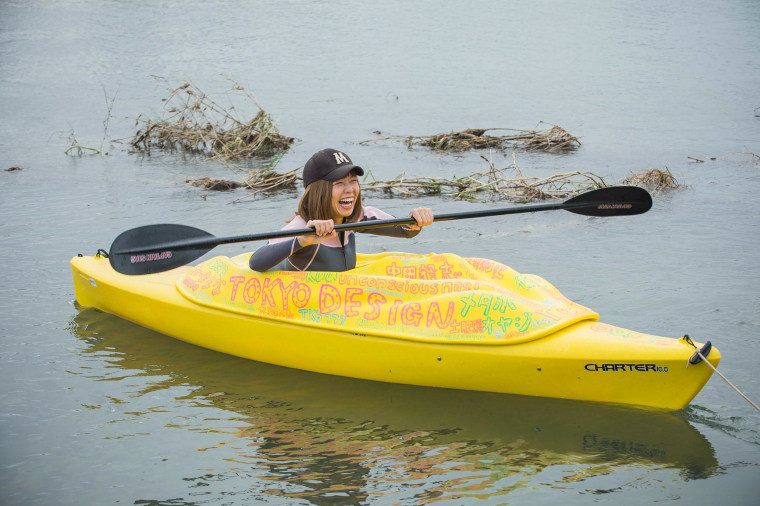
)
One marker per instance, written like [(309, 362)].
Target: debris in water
[(552, 139), (496, 184), (654, 180), (257, 180), (215, 184), (197, 124)]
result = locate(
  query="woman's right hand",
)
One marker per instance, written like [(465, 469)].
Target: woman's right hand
[(325, 229)]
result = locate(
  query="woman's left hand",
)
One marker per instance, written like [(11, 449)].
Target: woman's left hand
[(423, 216)]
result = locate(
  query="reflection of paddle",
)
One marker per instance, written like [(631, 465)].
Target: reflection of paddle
[(158, 248), (272, 400)]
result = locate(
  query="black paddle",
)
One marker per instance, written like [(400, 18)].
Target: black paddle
[(158, 248)]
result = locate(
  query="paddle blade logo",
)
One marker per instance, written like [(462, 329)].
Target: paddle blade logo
[(614, 206), (150, 257)]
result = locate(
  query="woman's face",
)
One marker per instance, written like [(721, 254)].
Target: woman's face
[(344, 194)]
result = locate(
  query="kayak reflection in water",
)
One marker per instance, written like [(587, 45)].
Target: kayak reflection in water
[(332, 196)]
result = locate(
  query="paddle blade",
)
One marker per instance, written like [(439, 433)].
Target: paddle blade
[(156, 248), (611, 201)]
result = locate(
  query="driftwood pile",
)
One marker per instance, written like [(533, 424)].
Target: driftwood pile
[(552, 139), (654, 180), (257, 181), (495, 184), (508, 183), (199, 125)]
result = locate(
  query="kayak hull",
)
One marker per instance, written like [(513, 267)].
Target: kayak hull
[(587, 360)]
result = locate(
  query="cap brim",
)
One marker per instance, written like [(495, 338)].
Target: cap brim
[(341, 172)]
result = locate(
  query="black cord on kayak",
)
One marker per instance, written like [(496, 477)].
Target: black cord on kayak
[(700, 356), (102, 253)]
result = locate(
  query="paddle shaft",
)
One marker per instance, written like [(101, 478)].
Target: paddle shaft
[(204, 242), (157, 248)]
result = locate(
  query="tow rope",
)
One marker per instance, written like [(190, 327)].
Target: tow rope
[(697, 357)]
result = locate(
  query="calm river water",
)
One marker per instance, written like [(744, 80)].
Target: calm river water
[(95, 410)]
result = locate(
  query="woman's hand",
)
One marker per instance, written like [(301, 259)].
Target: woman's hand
[(325, 229), (423, 216)]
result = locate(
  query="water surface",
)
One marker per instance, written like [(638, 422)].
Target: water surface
[(95, 410)]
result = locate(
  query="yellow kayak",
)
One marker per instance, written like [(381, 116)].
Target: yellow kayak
[(435, 320)]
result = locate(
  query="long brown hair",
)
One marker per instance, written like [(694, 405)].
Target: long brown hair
[(316, 203)]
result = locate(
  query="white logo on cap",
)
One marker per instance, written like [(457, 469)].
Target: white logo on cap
[(341, 158)]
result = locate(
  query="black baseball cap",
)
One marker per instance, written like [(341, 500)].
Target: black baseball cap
[(328, 165)]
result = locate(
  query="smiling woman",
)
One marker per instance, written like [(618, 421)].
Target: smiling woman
[(332, 196)]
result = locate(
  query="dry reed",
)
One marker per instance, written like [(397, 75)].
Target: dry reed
[(552, 139), (258, 181), (495, 184), (507, 183), (654, 180), (199, 125)]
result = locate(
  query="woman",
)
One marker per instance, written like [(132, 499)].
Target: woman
[(332, 196)]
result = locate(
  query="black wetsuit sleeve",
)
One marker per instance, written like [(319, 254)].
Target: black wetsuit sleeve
[(270, 255)]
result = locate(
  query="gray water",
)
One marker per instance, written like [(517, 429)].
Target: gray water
[(95, 410)]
